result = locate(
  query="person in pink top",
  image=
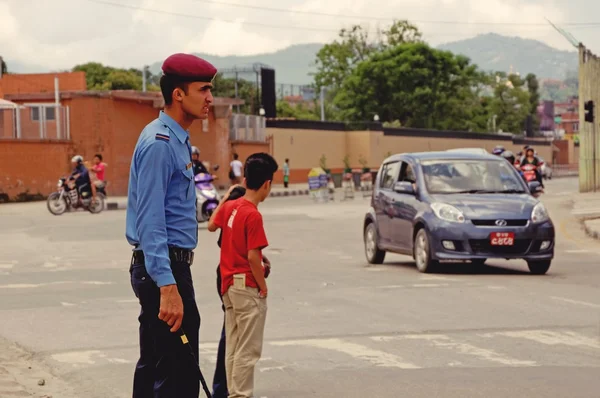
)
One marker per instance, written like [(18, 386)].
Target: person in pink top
[(98, 171)]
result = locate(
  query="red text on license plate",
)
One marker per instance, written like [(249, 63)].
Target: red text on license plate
[(502, 239)]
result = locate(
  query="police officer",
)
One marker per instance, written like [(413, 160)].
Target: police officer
[(162, 227)]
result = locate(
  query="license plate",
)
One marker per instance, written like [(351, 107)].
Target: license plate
[(502, 239)]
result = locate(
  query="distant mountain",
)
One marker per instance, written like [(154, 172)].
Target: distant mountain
[(292, 64), (493, 52)]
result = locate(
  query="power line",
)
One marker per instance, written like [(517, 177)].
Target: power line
[(287, 11), (282, 10), (177, 14)]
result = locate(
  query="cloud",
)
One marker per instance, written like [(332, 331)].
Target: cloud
[(58, 34)]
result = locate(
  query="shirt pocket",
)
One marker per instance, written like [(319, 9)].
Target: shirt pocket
[(186, 190)]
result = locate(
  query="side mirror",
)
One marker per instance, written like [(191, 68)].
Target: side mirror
[(404, 187), (535, 187)]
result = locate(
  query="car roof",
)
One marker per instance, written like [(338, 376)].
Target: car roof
[(441, 155)]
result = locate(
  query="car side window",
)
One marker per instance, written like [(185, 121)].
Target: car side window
[(388, 175), (407, 173)]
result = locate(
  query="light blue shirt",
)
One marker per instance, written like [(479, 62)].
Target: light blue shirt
[(161, 202)]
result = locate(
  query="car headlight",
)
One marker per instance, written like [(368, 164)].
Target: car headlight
[(539, 213), (447, 213)]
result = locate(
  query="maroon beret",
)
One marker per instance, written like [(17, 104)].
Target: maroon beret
[(189, 67)]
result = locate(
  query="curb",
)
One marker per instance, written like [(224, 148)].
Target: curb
[(588, 231), (280, 194)]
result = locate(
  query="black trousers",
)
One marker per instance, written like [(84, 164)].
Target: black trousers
[(165, 369), (220, 377)]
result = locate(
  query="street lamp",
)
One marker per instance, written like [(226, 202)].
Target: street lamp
[(376, 117)]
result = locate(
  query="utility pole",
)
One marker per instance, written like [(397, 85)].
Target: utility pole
[(322, 103), (144, 71)]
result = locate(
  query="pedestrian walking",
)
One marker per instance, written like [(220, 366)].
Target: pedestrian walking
[(286, 173), (220, 376), (235, 171), (161, 226), (243, 284)]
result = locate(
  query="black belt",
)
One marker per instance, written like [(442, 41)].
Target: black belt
[(176, 254)]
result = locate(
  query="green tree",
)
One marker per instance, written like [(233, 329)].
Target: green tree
[(100, 77), (225, 87), (510, 104), (299, 111), (336, 61), (413, 83)]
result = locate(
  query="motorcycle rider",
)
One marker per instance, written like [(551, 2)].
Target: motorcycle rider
[(81, 175), (530, 158), (498, 150), (510, 157), (197, 164)]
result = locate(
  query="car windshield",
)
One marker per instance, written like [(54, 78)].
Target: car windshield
[(471, 176)]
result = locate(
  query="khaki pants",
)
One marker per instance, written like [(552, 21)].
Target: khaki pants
[(245, 316)]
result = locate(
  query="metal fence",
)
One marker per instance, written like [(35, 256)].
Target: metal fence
[(35, 121), (248, 128)]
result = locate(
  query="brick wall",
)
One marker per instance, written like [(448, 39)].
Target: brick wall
[(33, 166), (41, 83)]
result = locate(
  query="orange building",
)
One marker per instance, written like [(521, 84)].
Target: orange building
[(38, 138)]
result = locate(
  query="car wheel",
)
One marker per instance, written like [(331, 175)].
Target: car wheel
[(422, 252), (372, 251), (539, 267)]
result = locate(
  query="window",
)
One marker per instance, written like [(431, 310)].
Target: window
[(575, 127), (407, 173), (388, 175), (50, 113)]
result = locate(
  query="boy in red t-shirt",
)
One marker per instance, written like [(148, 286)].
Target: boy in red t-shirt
[(243, 284)]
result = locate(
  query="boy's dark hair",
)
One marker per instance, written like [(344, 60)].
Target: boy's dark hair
[(170, 83), (259, 168), (236, 156), (236, 193), (99, 156)]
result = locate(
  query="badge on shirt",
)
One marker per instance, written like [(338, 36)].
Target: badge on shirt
[(189, 165)]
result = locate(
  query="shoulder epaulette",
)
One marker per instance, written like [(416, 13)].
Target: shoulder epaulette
[(163, 136)]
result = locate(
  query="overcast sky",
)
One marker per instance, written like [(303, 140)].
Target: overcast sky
[(57, 34)]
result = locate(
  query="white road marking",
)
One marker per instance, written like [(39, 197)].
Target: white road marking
[(585, 211), (127, 301), (77, 357), (430, 284), (497, 287), (443, 341), (437, 278), (34, 285), (376, 357), (549, 337), (582, 303), (6, 266), (268, 369), (65, 304), (577, 251)]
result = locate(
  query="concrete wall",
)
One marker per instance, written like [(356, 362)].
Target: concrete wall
[(589, 160), (305, 147)]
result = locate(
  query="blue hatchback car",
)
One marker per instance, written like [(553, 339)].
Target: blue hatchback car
[(448, 206)]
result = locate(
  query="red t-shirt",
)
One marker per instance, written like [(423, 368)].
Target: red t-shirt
[(243, 230), (99, 169)]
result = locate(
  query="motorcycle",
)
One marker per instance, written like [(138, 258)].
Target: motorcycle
[(69, 198), (207, 197), (529, 172)]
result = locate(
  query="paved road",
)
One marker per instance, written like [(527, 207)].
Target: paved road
[(336, 327)]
